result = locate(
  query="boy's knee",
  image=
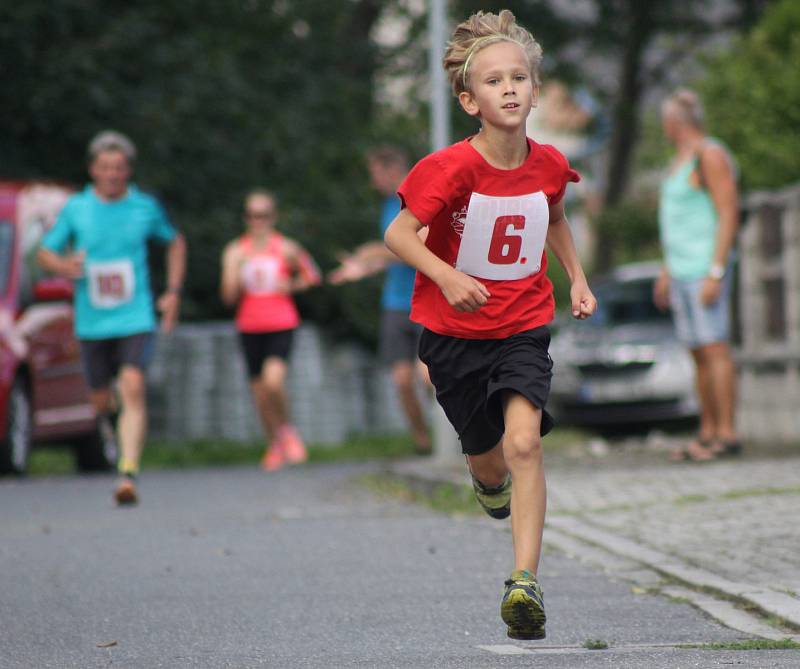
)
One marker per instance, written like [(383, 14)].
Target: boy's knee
[(521, 445)]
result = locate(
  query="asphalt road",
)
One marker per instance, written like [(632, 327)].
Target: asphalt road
[(304, 568)]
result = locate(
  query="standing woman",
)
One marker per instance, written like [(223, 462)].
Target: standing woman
[(260, 271), (698, 218)]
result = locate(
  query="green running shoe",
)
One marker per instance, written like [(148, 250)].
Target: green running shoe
[(495, 501), (522, 608)]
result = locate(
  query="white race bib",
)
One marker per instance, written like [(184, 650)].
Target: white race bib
[(261, 274), (503, 237), (111, 283)]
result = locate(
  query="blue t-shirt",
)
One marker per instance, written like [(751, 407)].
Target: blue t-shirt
[(399, 284), (113, 298)]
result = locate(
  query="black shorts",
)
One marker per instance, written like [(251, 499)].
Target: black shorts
[(470, 376), (103, 358), (399, 337), (258, 346)]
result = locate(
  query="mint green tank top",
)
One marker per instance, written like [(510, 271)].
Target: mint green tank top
[(687, 222)]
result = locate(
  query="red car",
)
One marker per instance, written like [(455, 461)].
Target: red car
[(43, 396)]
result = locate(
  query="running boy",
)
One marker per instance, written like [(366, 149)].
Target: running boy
[(490, 203)]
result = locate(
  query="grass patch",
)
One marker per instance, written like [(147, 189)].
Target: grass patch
[(217, 453), (755, 492), (55, 460), (50, 461), (443, 497), (160, 454), (691, 499), (595, 644), (750, 644)]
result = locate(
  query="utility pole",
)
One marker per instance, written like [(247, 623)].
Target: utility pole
[(440, 98), (445, 441)]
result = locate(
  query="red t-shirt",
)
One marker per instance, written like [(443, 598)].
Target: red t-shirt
[(491, 224), (264, 305)]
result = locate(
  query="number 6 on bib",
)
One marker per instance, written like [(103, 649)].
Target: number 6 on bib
[(503, 237)]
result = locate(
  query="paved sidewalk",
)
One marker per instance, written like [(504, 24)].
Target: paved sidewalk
[(731, 526)]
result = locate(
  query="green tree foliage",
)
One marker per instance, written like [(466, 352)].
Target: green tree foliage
[(752, 96), (631, 231), (220, 96)]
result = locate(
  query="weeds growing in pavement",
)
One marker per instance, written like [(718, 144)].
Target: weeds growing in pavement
[(749, 644), (595, 644)]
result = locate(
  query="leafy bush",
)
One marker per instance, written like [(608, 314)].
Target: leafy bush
[(752, 95)]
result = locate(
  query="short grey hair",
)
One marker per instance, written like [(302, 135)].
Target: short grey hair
[(111, 140), (687, 106)]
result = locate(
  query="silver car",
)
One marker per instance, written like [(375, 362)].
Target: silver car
[(623, 365)]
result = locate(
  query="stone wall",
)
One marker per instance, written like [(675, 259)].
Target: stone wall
[(769, 311), (198, 388)]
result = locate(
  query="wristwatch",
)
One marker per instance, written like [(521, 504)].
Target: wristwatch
[(716, 271)]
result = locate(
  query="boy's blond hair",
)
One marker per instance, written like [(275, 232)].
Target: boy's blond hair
[(479, 31)]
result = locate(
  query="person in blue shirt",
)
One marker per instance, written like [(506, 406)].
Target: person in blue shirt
[(399, 337), (100, 242)]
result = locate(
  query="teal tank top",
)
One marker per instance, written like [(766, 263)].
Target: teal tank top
[(687, 222)]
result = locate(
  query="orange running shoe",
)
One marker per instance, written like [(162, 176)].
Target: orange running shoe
[(293, 446), (273, 458), (125, 494)]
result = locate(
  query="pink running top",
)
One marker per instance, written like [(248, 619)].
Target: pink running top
[(266, 305)]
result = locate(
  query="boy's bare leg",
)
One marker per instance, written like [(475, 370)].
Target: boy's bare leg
[(520, 454), (522, 448)]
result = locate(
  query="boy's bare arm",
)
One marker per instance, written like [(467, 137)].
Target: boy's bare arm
[(461, 291), (559, 239)]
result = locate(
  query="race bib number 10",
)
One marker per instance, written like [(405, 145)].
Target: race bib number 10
[(503, 237), (111, 283)]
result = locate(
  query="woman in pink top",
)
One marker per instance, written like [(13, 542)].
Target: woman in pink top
[(260, 271)]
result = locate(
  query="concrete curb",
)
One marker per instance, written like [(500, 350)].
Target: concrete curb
[(769, 601)]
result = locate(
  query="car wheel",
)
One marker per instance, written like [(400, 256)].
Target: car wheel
[(97, 452), (16, 447)]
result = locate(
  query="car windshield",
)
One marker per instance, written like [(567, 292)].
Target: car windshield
[(6, 251), (626, 303)]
